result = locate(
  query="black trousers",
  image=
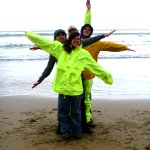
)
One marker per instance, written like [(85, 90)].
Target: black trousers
[(83, 112)]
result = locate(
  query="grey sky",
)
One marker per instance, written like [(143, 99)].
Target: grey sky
[(54, 14)]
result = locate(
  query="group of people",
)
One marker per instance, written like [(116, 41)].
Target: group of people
[(76, 58)]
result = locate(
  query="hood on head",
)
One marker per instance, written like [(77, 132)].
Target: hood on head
[(86, 25)]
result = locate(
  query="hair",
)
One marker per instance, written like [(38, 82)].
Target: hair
[(82, 28), (67, 45)]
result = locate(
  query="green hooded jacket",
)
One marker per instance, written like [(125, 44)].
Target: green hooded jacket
[(67, 79)]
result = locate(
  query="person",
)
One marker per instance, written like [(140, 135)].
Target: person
[(72, 59), (86, 126), (94, 49), (60, 36)]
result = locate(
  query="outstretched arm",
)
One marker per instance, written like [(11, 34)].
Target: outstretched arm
[(34, 48), (129, 49), (52, 47), (88, 16), (97, 70), (113, 47), (110, 33), (91, 40), (47, 70)]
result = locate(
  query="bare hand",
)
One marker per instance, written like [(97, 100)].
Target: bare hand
[(110, 33), (129, 49), (34, 48), (35, 84), (88, 4)]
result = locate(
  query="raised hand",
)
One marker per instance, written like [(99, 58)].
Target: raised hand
[(88, 4)]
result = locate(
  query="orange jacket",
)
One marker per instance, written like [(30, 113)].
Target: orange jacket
[(95, 48)]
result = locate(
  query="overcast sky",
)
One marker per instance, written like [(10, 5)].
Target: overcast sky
[(54, 14)]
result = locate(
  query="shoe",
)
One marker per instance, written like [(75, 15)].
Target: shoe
[(77, 136), (91, 124), (58, 130), (65, 136), (87, 130)]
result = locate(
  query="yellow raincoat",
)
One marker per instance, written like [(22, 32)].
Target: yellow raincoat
[(67, 80)]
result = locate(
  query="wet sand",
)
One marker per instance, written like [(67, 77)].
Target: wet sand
[(29, 123)]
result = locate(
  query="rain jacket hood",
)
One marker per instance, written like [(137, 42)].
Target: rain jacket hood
[(82, 28)]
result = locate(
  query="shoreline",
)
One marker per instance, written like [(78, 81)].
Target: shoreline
[(29, 122), (102, 97)]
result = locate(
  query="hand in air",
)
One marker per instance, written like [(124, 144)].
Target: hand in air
[(88, 4), (110, 33), (34, 48), (35, 84), (129, 49)]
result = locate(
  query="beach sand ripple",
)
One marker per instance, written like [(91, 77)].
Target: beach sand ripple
[(30, 123)]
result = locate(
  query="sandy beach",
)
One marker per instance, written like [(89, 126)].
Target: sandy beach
[(29, 123)]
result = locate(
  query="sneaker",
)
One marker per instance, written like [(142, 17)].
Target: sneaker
[(77, 136), (91, 124), (58, 130), (65, 136), (87, 130)]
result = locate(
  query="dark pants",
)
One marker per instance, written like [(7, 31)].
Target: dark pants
[(69, 114)]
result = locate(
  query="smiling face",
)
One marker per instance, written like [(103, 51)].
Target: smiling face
[(61, 37), (87, 31), (75, 42)]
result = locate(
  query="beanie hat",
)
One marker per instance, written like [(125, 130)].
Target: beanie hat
[(72, 27), (59, 31), (86, 25)]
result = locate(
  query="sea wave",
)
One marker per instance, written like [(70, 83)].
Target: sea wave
[(46, 58), (12, 45), (27, 45), (22, 33), (138, 32)]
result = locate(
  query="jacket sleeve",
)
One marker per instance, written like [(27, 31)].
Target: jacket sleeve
[(91, 40), (88, 16), (48, 69), (97, 70), (52, 47), (112, 46)]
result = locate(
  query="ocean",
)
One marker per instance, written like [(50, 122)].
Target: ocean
[(20, 67)]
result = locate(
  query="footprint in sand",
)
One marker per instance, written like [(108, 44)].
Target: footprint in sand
[(147, 147)]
